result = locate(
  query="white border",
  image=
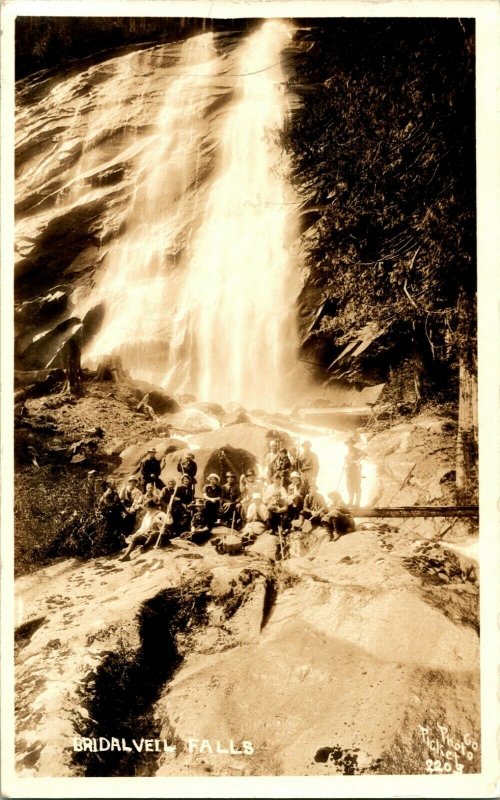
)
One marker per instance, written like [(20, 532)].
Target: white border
[(487, 14)]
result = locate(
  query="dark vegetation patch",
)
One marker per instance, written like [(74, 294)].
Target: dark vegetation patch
[(446, 584), (56, 516), (119, 696)]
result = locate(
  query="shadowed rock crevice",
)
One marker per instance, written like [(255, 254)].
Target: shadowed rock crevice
[(120, 695)]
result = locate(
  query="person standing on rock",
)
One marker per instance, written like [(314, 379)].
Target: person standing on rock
[(294, 459), (271, 458), (352, 467), (281, 467), (186, 465), (309, 465), (150, 470), (212, 493)]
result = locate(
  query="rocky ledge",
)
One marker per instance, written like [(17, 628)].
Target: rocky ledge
[(327, 662)]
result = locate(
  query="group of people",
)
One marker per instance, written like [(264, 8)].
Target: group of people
[(281, 497)]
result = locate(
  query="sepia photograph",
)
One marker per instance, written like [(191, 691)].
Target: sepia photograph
[(244, 394)]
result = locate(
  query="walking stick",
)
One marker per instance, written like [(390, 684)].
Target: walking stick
[(281, 542), (168, 517)]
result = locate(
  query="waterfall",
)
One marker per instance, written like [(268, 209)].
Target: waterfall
[(200, 288)]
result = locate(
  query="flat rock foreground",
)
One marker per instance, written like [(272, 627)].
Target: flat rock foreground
[(353, 656), (337, 659)]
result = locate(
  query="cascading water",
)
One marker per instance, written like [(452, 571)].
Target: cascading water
[(200, 288)]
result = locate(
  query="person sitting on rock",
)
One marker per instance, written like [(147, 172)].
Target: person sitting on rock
[(172, 502), (338, 519), (315, 506), (186, 465), (276, 500), (185, 491), (249, 484), (257, 515), (309, 465), (150, 528), (199, 530), (111, 508), (295, 500), (166, 493), (230, 512), (150, 493), (150, 470), (212, 493), (270, 459), (131, 495), (131, 498)]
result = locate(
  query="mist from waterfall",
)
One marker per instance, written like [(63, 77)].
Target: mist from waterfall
[(200, 286)]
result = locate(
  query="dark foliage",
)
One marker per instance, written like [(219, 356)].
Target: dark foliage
[(56, 515), (46, 42), (120, 695), (383, 150)]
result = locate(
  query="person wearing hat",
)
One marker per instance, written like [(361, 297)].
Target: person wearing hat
[(270, 458), (281, 467), (130, 494), (212, 493), (150, 469), (257, 515), (186, 465), (295, 498), (111, 510), (314, 505), (230, 505), (185, 491), (294, 458), (276, 500), (309, 465), (151, 525), (199, 531), (131, 498), (249, 483), (352, 467), (338, 520)]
